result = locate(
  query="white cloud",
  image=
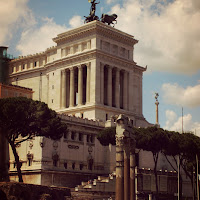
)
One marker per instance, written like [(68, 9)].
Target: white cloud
[(177, 95), (174, 123), (168, 33), (110, 1), (76, 21), (37, 39), (13, 15)]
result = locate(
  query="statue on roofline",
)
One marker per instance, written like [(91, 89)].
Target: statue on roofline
[(92, 15), (105, 18)]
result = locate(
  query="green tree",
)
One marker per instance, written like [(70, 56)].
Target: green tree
[(107, 136), (151, 139), (22, 119)]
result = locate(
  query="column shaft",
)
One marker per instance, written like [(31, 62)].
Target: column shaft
[(102, 84), (125, 91), (80, 85), (132, 175), (63, 97), (119, 195), (88, 84), (127, 170), (109, 86), (71, 87), (117, 96)]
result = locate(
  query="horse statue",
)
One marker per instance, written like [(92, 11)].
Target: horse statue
[(90, 18), (109, 19)]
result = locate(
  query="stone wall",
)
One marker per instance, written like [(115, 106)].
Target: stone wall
[(21, 191)]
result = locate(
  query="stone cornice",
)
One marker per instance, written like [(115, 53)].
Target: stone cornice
[(96, 27), (87, 56), (28, 71)]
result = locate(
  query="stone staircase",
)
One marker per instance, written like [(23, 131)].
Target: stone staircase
[(101, 184)]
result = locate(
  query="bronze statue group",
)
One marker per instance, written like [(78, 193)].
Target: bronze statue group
[(105, 18)]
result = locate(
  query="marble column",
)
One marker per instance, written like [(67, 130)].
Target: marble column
[(126, 169), (109, 86), (102, 83), (117, 95), (125, 90), (80, 85), (119, 195), (47, 76), (132, 170), (63, 73), (88, 84), (71, 103)]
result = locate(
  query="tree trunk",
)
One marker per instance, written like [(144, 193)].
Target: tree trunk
[(17, 161), (155, 157)]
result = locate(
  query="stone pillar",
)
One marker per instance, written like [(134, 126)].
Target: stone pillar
[(102, 83), (117, 95), (71, 103), (126, 169), (63, 97), (80, 85), (125, 90), (132, 170), (109, 86), (47, 76), (119, 195), (88, 84)]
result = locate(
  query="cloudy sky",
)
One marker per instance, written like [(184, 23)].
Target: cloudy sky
[(169, 44)]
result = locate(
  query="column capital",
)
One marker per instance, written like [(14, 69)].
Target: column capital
[(71, 69), (63, 71), (87, 64), (110, 67), (80, 66), (120, 141)]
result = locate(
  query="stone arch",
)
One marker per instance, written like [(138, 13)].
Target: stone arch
[(3, 195)]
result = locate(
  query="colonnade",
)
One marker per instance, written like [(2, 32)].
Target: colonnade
[(113, 90), (75, 86), (114, 87)]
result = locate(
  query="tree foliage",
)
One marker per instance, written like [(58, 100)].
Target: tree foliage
[(107, 136), (22, 119)]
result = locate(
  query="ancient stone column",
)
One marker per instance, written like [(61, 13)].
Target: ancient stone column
[(109, 86), (119, 195), (132, 170), (80, 85), (63, 76), (117, 96), (125, 90), (126, 168), (88, 84), (71, 103)]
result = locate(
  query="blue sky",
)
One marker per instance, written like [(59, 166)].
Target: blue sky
[(169, 44)]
